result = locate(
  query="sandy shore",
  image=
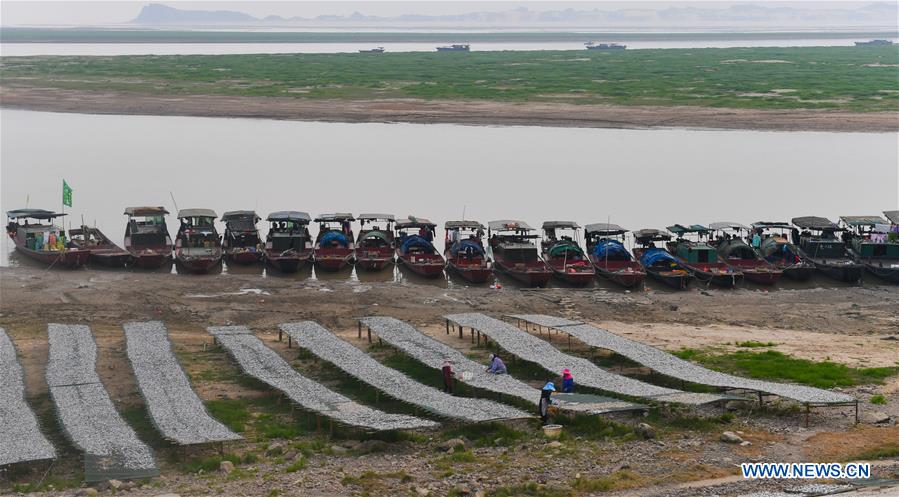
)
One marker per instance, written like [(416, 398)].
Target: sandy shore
[(455, 112)]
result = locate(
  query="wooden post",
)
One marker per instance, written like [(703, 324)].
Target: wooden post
[(447, 326), (359, 328), (472, 335), (856, 411), (289, 341), (569, 341), (460, 332), (807, 409), (479, 338), (318, 423), (369, 335), (280, 333)]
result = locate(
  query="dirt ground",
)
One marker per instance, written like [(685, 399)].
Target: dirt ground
[(435, 111), (853, 325)]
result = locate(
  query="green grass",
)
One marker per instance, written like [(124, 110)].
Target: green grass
[(774, 365), (847, 78), (530, 490), (486, 434), (878, 399), (211, 464), (886, 451), (752, 344)]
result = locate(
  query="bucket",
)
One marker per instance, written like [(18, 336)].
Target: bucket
[(552, 431)]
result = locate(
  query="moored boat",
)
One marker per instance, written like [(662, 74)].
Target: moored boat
[(45, 243), (415, 247), (776, 248), (562, 252), (658, 262), (736, 252), (102, 250), (874, 243), (372, 50), (457, 47), (288, 245), (147, 237), (514, 253), (592, 45), (198, 247), (464, 251), (610, 258), (335, 248), (701, 258), (818, 243), (241, 242), (374, 244)]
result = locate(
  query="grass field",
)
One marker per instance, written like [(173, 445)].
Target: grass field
[(846, 78)]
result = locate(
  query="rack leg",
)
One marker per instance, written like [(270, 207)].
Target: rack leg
[(369, 335), (359, 329), (289, 341), (280, 334), (447, 327)]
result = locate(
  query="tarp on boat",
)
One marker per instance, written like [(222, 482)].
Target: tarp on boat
[(413, 241), (467, 247), (560, 249), (611, 248), (332, 237), (655, 255), (379, 235)]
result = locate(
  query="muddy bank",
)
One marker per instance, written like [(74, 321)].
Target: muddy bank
[(437, 111)]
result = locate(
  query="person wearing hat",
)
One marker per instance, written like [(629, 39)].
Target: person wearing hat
[(497, 366), (545, 401), (449, 376), (567, 381)]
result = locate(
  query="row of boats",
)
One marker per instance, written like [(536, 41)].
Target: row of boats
[(722, 254)]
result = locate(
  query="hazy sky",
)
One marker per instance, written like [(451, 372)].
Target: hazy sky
[(76, 12)]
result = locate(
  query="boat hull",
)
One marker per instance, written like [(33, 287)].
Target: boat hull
[(531, 278), (429, 268), (243, 257), (847, 273), (150, 259), (890, 274), (798, 272), (679, 281), (110, 259), (628, 274), (724, 279), (373, 260), (72, 258), (472, 273), (198, 264), (287, 263), (331, 259), (767, 278)]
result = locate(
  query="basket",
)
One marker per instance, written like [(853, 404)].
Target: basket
[(552, 431)]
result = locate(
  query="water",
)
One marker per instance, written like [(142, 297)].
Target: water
[(636, 178)]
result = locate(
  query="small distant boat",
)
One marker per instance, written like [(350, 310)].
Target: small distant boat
[(515, 254), (818, 243), (592, 45), (459, 47), (874, 43), (375, 244), (563, 254), (415, 248), (44, 243), (335, 248), (658, 262), (103, 251), (147, 237), (288, 245), (874, 243), (609, 256), (198, 247), (733, 249), (372, 50), (701, 258), (464, 252), (241, 243), (777, 249)]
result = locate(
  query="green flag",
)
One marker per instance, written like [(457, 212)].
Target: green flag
[(66, 194)]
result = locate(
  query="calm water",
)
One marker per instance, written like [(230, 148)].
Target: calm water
[(636, 178)]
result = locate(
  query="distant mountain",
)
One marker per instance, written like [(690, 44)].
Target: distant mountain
[(156, 13)]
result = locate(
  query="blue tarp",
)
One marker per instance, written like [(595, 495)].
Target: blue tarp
[(416, 241), (613, 248), (467, 247), (656, 255), (334, 236)]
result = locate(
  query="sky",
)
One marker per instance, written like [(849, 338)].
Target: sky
[(98, 13)]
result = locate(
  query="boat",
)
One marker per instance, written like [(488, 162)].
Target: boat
[(514, 253), (464, 251), (734, 250), (288, 245), (610, 258), (700, 257), (102, 250), (818, 243), (334, 245), (374, 244), (147, 237), (415, 248), (874, 43), (458, 47), (592, 45), (372, 50), (658, 262), (241, 243), (776, 248), (874, 243), (562, 252), (198, 247), (45, 243)]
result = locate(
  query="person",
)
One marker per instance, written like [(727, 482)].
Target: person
[(449, 376), (756, 240), (567, 381), (545, 401), (497, 366)]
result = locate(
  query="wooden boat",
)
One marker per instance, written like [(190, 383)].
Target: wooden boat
[(415, 248), (372, 50), (44, 243), (818, 243), (288, 245), (198, 247), (457, 47), (776, 248), (701, 258), (241, 243), (562, 252), (102, 250), (658, 262), (335, 248), (734, 250), (514, 253), (147, 237), (374, 244), (464, 251), (610, 258), (874, 243)]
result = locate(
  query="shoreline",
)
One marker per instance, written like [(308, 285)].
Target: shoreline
[(464, 112)]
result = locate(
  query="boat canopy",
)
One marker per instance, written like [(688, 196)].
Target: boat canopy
[(680, 229), (376, 217), (651, 234), (232, 215), (334, 237), (467, 247), (295, 216), (183, 213), (413, 241), (612, 249), (656, 255), (893, 216), (33, 214), (414, 222), (548, 225), (728, 225), (604, 229), (815, 223), (450, 225), (863, 220), (771, 224), (509, 225), (335, 217), (146, 211)]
